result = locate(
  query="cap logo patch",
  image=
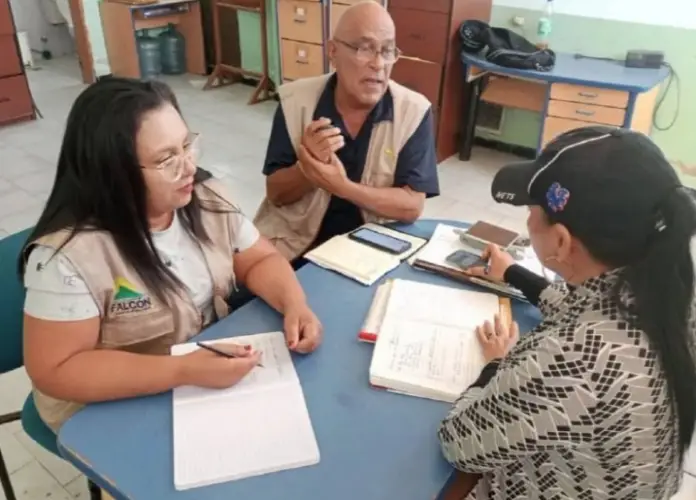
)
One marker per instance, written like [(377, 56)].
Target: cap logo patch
[(557, 197), (503, 196)]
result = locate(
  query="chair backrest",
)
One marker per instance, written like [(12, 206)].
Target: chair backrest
[(11, 302)]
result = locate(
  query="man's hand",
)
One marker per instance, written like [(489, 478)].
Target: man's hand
[(303, 331), (329, 176), (322, 139)]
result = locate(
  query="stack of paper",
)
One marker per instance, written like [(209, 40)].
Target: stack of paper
[(427, 344), (358, 261), (259, 426)]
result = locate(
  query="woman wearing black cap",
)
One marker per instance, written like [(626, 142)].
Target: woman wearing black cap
[(599, 401)]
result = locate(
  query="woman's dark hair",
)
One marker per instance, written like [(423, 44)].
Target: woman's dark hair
[(658, 272), (99, 183)]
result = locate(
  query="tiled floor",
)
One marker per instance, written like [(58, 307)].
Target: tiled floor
[(234, 137)]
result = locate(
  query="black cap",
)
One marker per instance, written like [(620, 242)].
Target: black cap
[(600, 179)]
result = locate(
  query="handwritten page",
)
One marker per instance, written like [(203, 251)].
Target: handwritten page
[(277, 367), (430, 360), (235, 433), (427, 344), (440, 305)]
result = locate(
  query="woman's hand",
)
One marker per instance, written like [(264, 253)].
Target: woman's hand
[(497, 338), (498, 263), (303, 331), (203, 368)]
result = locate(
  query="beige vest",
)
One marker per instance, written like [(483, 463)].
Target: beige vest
[(292, 228), (132, 318)]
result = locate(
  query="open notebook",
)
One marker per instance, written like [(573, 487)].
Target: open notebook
[(378, 308), (358, 261), (224, 435), (427, 344)]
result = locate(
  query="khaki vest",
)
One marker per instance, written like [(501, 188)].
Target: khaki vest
[(292, 228), (132, 318)]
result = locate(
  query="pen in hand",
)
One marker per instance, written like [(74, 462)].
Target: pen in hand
[(220, 352)]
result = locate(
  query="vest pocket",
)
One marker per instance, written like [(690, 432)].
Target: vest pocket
[(381, 180), (151, 333)]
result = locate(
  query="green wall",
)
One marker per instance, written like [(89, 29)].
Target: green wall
[(250, 41), (96, 36), (607, 38)]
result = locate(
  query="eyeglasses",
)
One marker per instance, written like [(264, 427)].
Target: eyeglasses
[(172, 169), (368, 53)]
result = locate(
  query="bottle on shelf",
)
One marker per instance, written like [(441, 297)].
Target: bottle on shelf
[(544, 27)]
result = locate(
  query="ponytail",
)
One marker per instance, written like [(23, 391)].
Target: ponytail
[(661, 282)]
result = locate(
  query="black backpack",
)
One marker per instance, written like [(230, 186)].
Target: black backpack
[(504, 47)]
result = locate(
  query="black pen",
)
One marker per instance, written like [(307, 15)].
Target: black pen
[(224, 354)]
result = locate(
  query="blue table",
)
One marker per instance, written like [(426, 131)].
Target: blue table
[(374, 445), (598, 85)]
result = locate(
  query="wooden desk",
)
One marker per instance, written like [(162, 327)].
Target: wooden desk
[(16, 103), (576, 93), (121, 22)]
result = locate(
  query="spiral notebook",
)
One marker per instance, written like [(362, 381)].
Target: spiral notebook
[(235, 433)]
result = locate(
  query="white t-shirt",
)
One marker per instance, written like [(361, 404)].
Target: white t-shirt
[(56, 292)]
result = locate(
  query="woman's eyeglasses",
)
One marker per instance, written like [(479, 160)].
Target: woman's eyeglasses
[(368, 53), (172, 169)]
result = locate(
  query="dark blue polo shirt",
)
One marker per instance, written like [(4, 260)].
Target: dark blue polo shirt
[(416, 165)]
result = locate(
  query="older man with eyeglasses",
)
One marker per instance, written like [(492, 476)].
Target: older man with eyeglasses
[(350, 147)]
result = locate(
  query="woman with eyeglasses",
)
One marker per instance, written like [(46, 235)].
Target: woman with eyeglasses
[(138, 250)]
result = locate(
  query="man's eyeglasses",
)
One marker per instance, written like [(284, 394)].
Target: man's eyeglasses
[(172, 169), (368, 53)]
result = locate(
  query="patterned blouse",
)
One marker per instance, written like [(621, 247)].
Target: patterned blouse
[(579, 409)]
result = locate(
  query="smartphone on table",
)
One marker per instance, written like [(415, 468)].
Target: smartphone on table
[(380, 241), (465, 260)]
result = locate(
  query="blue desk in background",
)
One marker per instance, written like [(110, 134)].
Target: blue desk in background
[(374, 445), (578, 92)]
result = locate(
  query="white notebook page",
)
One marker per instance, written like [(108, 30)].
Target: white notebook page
[(427, 343), (223, 435), (354, 260), (359, 261)]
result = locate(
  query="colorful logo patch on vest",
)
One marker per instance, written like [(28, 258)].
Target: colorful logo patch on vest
[(127, 299)]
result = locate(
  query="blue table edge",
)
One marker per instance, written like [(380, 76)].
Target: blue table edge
[(84, 467), (472, 60)]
